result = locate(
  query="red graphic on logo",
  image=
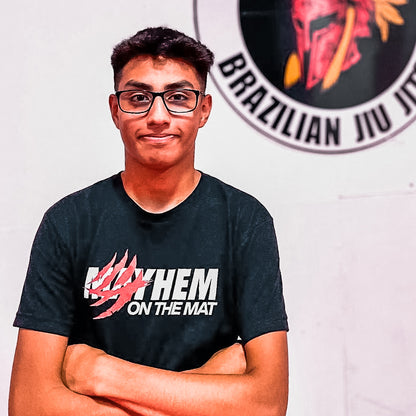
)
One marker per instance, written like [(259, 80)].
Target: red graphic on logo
[(122, 282), (327, 33)]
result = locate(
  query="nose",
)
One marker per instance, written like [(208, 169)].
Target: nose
[(158, 113)]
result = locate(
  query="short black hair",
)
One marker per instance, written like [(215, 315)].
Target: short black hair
[(162, 42)]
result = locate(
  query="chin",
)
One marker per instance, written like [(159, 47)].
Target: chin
[(160, 163)]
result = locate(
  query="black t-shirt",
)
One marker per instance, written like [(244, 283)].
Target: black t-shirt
[(166, 290)]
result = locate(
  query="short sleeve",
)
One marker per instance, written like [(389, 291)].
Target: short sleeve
[(47, 303), (260, 303)]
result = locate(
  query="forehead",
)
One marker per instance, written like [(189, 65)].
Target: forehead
[(159, 72)]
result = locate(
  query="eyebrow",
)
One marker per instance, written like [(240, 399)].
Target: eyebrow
[(138, 85), (172, 86), (179, 84)]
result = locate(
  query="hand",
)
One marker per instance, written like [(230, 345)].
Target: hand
[(230, 360), (79, 368)]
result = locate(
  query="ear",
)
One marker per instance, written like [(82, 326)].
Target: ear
[(206, 106), (112, 100)]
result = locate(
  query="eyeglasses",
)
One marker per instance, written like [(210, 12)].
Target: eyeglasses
[(175, 101)]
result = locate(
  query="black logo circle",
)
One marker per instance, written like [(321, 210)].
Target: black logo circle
[(305, 37)]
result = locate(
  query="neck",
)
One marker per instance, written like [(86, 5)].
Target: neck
[(158, 191)]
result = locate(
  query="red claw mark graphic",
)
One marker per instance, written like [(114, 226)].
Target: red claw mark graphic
[(121, 288)]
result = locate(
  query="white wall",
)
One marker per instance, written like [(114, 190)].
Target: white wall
[(346, 224)]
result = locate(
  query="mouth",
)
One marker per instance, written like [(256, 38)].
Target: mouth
[(157, 138)]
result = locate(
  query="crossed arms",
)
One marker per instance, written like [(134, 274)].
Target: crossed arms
[(50, 378)]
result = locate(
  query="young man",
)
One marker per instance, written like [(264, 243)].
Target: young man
[(135, 282)]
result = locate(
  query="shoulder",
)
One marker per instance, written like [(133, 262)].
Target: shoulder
[(102, 189), (239, 203), (84, 202)]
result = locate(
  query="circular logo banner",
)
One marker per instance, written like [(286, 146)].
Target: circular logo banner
[(324, 76)]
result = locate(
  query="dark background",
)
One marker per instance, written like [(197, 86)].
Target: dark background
[(270, 38)]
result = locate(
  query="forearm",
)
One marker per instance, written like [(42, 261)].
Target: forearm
[(58, 400), (63, 402), (257, 387), (190, 394), (183, 393), (37, 388)]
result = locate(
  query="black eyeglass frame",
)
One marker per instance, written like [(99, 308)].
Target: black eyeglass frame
[(161, 95)]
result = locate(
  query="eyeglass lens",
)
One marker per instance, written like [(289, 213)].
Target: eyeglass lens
[(177, 101)]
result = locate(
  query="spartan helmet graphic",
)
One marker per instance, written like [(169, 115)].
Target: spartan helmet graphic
[(326, 34)]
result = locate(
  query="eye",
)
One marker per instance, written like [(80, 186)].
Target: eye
[(178, 96), (139, 97)]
